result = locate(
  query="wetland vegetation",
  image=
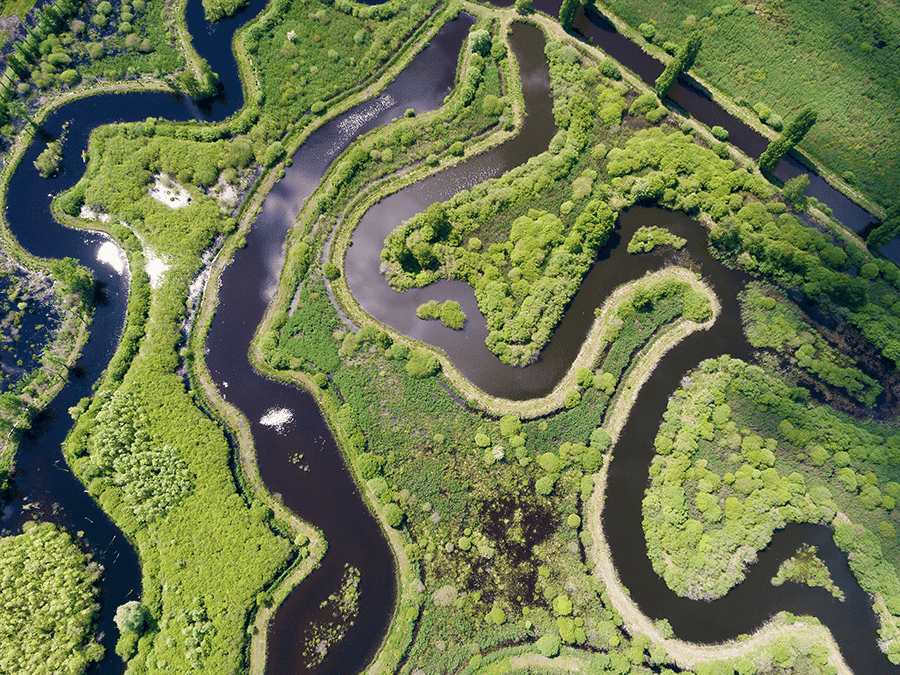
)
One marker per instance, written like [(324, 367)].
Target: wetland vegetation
[(486, 509)]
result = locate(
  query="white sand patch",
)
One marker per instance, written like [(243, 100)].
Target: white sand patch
[(196, 288), (89, 214), (155, 267), (167, 191), (278, 418), (110, 254), (224, 193)]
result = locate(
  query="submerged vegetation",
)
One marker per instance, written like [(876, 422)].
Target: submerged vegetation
[(805, 567)]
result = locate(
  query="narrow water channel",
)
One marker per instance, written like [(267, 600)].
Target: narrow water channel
[(317, 487)]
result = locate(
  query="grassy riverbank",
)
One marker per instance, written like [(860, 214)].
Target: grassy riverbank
[(785, 58)]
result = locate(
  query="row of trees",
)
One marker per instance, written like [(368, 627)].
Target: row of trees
[(51, 19), (887, 231), (794, 133), (681, 63)]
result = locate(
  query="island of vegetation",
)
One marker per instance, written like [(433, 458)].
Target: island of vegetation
[(805, 567), (493, 507)]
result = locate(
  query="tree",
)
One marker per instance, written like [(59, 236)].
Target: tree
[(523, 6), (548, 644), (481, 41), (394, 515), (567, 13), (789, 138), (885, 232), (130, 616), (50, 159), (681, 63), (510, 425), (201, 85), (794, 191)]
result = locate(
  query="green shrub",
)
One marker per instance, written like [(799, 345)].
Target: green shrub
[(452, 315), (544, 485), (548, 644), (429, 310), (331, 271), (610, 69), (422, 364), (721, 133), (394, 515)]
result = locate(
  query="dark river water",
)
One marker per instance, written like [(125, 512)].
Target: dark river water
[(319, 489)]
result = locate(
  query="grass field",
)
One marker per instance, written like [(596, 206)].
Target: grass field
[(842, 57), (17, 8)]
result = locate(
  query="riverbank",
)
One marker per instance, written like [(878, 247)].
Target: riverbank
[(728, 104), (393, 648)]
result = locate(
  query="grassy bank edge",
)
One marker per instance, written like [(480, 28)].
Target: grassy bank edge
[(804, 155), (232, 417)]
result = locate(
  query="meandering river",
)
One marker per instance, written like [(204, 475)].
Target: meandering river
[(319, 488)]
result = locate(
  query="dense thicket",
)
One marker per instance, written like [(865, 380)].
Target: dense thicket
[(772, 322), (307, 53), (741, 454), (645, 239), (48, 603), (523, 286), (797, 255), (157, 463), (129, 160)]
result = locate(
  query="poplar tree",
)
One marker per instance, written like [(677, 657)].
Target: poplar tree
[(567, 12), (680, 63), (890, 228), (789, 138)]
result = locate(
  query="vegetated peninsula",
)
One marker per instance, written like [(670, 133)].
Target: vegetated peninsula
[(494, 512)]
